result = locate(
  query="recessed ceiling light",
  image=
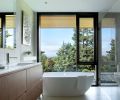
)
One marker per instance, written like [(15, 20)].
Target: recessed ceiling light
[(46, 2)]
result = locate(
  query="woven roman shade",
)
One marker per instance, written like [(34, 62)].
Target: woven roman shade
[(108, 23), (58, 21), (66, 21), (10, 21)]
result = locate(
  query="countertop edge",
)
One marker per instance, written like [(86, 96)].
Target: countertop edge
[(11, 70)]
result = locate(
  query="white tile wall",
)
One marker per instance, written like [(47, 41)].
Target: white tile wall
[(2, 56), (20, 48)]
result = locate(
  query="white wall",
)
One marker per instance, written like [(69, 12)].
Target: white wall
[(20, 48), (115, 7), (7, 5), (22, 6)]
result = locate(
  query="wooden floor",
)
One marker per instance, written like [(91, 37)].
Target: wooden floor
[(94, 93)]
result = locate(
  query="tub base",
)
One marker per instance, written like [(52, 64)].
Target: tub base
[(66, 83)]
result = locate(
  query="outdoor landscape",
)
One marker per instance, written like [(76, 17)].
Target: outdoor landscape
[(65, 59)]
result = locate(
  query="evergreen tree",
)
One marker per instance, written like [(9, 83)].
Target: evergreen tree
[(111, 52), (65, 59), (109, 57), (66, 55)]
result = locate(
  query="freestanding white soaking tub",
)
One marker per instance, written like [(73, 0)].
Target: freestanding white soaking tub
[(66, 83)]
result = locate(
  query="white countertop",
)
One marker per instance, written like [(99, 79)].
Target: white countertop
[(14, 68)]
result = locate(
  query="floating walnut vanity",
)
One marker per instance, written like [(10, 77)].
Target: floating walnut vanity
[(21, 82)]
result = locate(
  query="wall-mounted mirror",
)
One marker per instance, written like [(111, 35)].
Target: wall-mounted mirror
[(10, 31), (7, 30)]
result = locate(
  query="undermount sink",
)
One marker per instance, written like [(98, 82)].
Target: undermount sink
[(23, 64), (15, 65), (18, 64)]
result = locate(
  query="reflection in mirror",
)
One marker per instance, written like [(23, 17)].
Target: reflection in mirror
[(0, 32), (10, 31), (7, 30)]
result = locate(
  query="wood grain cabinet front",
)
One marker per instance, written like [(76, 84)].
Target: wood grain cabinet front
[(34, 75), (22, 85), (16, 84), (34, 82), (34, 92)]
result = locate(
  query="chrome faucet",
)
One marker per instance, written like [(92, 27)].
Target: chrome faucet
[(7, 58)]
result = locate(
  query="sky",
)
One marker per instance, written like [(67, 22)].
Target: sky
[(107, 35), (53, 38)]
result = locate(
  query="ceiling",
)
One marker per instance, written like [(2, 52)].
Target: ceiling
[(72, 5), (7, 5), (64, 5), (116, 7)]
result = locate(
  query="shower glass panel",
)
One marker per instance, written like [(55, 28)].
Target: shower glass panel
[(108, 66)]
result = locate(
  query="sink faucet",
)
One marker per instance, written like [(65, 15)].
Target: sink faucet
[(7, 58)]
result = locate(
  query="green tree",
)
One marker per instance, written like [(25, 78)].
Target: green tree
[(111, 52), (65, 59), (66, 55), (86, 45), (47, 63), (109, 57)]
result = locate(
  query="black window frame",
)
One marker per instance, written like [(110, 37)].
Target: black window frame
[(95, 17), (2, 15)]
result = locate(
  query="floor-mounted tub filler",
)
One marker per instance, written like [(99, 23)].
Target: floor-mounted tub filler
[(66, 83)]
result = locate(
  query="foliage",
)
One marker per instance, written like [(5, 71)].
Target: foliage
[(108, 58), (8, 34), (86, 45), (111, 53), (65, 58), (66, 55)]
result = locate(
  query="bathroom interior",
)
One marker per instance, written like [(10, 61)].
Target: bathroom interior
[(59, 50)]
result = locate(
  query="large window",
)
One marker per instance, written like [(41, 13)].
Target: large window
[(68, 42), (87, 41), (108, 50), (86, 44), (57, 35)]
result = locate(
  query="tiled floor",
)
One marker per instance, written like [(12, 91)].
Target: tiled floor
[(94, 93)]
